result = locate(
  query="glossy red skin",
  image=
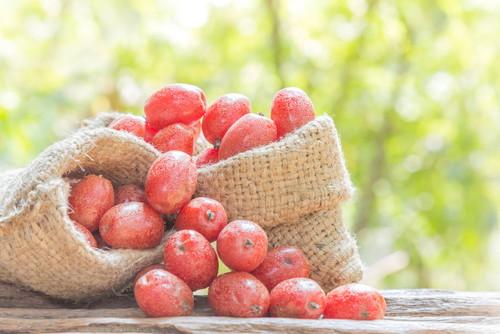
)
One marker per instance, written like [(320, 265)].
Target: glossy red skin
[(146, 270), (242, 245), (129, 123), (238, 294), (223, 113), (248, 132), (171, 182), (86, 233), (149, 132), (175, 137), (300, 298), (204, 215), (175, 103), (207, 157), (291, 108), (132, 225), (89, 200), (356, 302), (129, 193), (280, 264), (189, 256), (162, 294)]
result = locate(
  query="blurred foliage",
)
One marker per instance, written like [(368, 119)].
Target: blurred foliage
[(413, 86)]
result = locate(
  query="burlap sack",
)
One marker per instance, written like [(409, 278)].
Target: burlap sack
[(39, 247)]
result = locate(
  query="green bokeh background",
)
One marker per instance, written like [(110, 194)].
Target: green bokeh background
[(413, 86)]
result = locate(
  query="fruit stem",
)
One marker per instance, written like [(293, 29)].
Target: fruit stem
[(210, 215)]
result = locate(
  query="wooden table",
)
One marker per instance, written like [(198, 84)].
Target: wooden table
[(409, 311)]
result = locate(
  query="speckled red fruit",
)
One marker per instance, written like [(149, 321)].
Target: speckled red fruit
[(149, 132), (204, 215), (242, 245), (248, 132), (175, 137), (291, 108), (133, 225), (207, 157), (171, 182), (280, 264), (300, 298), (129, 123), (356, 302), (147, 269), (86, 233), (223, 113), (196, 127), (162, 294), (129, 193), (189, 256), (175, 103), (238, 294), (89, 200)]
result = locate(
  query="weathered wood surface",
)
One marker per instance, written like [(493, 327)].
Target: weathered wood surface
[(409, 311)]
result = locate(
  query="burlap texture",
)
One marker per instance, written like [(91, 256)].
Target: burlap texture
[(39, 247)]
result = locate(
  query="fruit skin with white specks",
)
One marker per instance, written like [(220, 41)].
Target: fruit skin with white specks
[(175, 137), (146, 270), (355, 302), (207, 157), (129, 123), (129, 193), (86, 233), (299, 298), (291, 108)]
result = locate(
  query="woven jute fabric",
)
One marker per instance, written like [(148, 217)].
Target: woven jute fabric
[(39, 247), (331, 250), (281, 182)]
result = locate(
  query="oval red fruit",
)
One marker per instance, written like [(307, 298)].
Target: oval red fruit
[(291, 108), (248, 132), (175, 137), (171, 182), (129, 193), (242, 245), (238, 294), (149, 132), (196, 127), (356, 302), (162, 294), (86, 233), (300, 298), (207, 157), (189, 256), (129, 123), (147, 269)]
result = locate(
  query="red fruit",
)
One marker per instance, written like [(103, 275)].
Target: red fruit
[(356, 302), (162, 294), (149, 132), (129, 123), (280, 264), (204, 215), (299, 298), (196, 127), (291, 108), (226, 110), (132, 225), (89, 200), (175, 137), (171, 182), (242, 245), (129, 193), (189, 256), (248, 132), (146, 270), (175, 103), (86, 233), (207, 157), (238, 294)]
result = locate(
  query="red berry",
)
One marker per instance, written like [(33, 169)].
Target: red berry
[(129, 193), (299, 298), (86, 233), (175, 103), (149, 132), (356, 302), (207, 157), (171, 182), (129, 123), (162, 294), (246, 133), (89, 200), (242, 245), (145, 270), (189, 256), (291, 108), (280, 264), (204, 215), (175, 137), (132, 225), (226, 110), (196, 127), (238, 294)]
